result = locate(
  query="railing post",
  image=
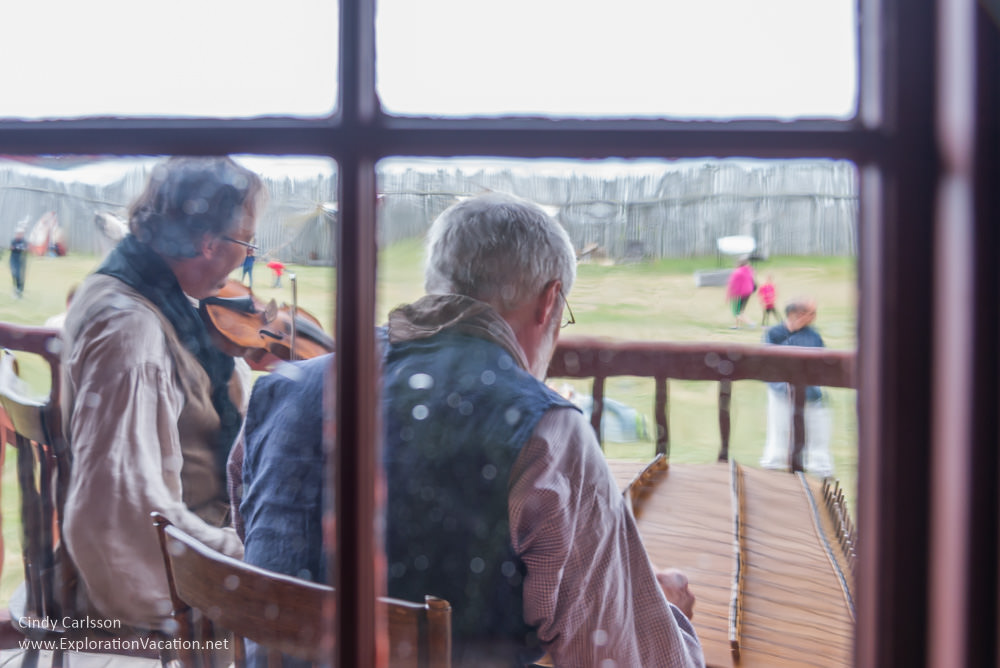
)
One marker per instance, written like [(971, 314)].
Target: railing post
[(798, 426), (725, 398), (597, 408), (660, 415)]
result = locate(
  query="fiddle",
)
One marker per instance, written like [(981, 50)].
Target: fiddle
[(241, 320)]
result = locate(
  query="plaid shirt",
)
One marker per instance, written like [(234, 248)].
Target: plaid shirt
[(590, 587)]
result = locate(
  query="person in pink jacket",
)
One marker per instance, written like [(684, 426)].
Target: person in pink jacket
[(768, 297), (738, 290)]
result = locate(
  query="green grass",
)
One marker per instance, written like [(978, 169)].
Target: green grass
[(659, 301), (648, 301)]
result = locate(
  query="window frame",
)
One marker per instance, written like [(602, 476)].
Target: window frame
[(907, 141)]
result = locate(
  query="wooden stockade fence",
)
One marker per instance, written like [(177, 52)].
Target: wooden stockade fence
[(296, 226), (627, 211), (651, 210)]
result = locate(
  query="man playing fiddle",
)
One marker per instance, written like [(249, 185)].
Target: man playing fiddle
[(148, 399), (498, 495)]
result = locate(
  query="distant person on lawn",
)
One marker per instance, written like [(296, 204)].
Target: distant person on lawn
[(797, 330), (248, 262), (768, 297), (740, 286), (18, 261), (277, 268)]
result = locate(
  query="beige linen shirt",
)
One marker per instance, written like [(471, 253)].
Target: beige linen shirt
[(140, 421)]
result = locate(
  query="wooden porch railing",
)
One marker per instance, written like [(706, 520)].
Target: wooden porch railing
[(723, 363)]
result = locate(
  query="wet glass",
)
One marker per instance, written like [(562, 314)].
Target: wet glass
[(223, 59), (651, 240), (714, 59), (656, 242), (74, 211)]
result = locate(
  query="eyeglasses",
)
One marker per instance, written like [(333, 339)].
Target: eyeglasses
[(568, 317), (245, 244)]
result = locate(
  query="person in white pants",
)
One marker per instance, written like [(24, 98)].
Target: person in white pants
[(796, 330)]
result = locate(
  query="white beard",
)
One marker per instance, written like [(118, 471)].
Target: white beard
[(546, 347)]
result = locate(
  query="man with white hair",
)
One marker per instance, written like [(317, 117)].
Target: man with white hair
[(498, 495)]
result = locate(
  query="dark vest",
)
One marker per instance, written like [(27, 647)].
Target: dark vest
[(457, 412), (806, 337)]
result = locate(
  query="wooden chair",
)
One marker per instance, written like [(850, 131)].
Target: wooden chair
[(48, 594), (212, 592), (43, 463)]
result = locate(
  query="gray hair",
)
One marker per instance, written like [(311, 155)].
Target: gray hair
[(188, 197), (498, 249)]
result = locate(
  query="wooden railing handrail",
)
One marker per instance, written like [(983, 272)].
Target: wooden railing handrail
[(45, 342), (600, 359), (589, 357)]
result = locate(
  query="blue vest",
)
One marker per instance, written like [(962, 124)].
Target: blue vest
[(283, 471), (806, 337), (457, 412)]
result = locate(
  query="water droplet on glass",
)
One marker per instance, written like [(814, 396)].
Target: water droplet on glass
[(195, 206), (421, 381)]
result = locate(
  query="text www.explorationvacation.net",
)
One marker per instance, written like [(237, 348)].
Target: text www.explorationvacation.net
[(126, 645)]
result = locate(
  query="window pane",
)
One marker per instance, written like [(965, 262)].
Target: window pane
[(224, 58), (73, 214), (710, 59), (83, 204), (656, 243)]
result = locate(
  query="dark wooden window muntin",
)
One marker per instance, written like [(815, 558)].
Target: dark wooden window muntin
[(894, 141)]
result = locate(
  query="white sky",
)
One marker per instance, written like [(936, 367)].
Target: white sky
[(697, 58)]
